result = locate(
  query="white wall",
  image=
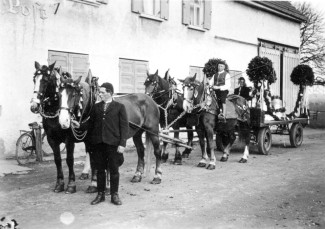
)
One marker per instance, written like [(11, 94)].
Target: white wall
[(112, 31)]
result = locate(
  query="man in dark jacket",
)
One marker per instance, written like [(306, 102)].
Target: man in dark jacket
[(243, 90), (108, 129)]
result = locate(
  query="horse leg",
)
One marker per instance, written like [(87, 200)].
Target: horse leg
[(155, 143), (71, 188), (137, 139), (245, 133), (178, 156), (201, 135), (164, 155), (209, 122), (59, 186), (229, 140), (187, 151), (92, 188), (85, 172)]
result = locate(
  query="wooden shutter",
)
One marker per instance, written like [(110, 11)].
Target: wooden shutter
[(234, 76), (207, 14), (274, 56), (132, 75), (137, 6), (186, 12), (164, 9), (61, 58), (290, 90), (79, 65)]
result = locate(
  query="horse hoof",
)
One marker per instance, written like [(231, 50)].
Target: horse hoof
[(136, 179), (242, 160), (91, 189), (224, 159), (84, 176), (59, 188), (178, 162), (71, 189), (156, 180), (201, 165), (185, 155), (211, 167)]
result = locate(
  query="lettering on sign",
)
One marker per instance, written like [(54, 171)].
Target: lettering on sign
[(36, 9)]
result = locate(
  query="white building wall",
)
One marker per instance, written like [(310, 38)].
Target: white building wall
[(112, 31)]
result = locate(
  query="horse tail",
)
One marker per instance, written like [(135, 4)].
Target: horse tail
[(147, 152)]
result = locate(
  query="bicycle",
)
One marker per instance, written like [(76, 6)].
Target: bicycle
[(26, 144)]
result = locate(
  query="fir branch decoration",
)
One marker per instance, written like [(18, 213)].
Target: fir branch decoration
[(211, 67), (259, 69), (303, 76)]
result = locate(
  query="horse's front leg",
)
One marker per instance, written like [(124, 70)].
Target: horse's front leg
[(201, 135), (137, 139), (164, 154), (155, 143), (178, 156), (245, 135), (190, 136), (59, 186), (209, 123), (229, 138), (71, 188)]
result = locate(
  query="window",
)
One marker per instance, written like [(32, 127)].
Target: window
[(197, 14), (75, 63), (133, 73), (151, 9)]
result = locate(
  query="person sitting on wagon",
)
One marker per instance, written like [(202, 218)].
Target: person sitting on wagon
[(220, 83), (243, 90)]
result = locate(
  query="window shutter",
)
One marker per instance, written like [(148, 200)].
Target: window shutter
[(207, 14), (137, 6), (186, 12), (164, 9)]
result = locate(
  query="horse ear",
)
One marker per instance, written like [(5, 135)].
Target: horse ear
[(182, 81), (89, 77), (37, 65), (194, 77), (60, 70), (77, 81), (51, 67), (167, 75), (148, 73), (156, 72)]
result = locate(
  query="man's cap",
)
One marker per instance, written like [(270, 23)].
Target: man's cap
[(108, 86), (241, 78)]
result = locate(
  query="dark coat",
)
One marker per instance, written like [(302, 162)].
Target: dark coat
[(243, 93), (110, 127)]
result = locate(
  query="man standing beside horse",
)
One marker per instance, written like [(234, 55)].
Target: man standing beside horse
[(108, 127)]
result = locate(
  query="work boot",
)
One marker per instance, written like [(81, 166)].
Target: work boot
[(99, 198), (115, 199)]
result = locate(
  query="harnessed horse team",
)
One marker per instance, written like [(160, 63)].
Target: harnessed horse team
[(59, 98)]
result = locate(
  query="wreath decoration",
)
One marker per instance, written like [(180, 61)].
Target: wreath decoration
[(260, 69), (301, 75), (211, 67)]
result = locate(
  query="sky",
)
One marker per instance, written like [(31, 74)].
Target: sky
[(317, 4)]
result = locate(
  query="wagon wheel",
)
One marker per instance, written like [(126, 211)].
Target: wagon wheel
[(296, 135), (264, 140)]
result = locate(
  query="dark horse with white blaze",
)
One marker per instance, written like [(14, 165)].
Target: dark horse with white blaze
[(143, 115), (163, 92), (46, 101), (199, 96)]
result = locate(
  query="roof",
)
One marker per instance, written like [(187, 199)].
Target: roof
[(283, 7)]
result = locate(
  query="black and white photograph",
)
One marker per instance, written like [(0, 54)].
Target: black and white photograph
[(162, 114)]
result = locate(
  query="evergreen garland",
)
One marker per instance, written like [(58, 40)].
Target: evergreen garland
[(211, 67), (301, 75), (259, 69)]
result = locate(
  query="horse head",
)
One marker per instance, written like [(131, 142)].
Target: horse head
[(74, 96), (191, 91), (152, 83), (46, 82)]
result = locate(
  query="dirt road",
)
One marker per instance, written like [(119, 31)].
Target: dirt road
[(285, 189)]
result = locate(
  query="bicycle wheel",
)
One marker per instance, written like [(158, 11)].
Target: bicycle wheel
[(25, 148), (46, 148)]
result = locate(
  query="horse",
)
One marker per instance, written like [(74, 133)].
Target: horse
[(198, 95), (46, 101), (143, 115), (163, 92)]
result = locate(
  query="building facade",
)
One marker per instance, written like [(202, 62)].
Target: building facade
[(120, 40)]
